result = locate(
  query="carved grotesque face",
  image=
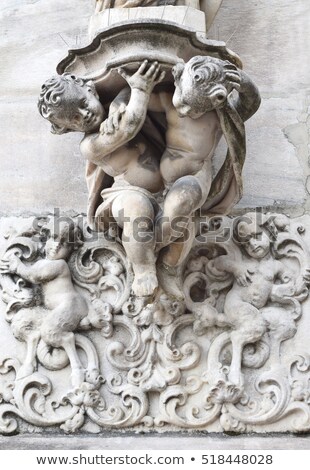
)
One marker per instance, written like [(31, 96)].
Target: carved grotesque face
[(201, 85), (256, 242), (80, 109)]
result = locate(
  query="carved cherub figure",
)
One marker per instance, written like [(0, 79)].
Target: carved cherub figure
[(113, 146), (199, 112), (116, 147), (65, 309), (259, 279)]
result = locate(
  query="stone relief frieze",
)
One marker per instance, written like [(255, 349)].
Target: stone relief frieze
[(214, 358), (145, 167)]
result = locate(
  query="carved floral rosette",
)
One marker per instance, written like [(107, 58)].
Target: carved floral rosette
[(163, 362)]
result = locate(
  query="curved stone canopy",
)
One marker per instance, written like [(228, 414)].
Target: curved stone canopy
[(130, 42)]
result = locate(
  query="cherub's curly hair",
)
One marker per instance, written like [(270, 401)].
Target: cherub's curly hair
[(51, 97), (207, 70)]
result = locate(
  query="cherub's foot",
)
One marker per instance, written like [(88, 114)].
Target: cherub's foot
[(236, 378), (24, 371), (145, 284)]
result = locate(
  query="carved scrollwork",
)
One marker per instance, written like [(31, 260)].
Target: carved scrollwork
[(99, 266), (121, 349)]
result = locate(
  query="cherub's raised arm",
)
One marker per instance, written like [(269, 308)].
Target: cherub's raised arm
[(128, 123), (241, 273), (39, 272), (225, 263), (248, 99)]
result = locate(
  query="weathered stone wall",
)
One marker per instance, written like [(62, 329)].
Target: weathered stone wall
[(42, 171), (272, 38)]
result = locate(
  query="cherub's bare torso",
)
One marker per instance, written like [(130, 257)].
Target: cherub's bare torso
[(258, 291), (136, 162), (57, 287), (190, 143)]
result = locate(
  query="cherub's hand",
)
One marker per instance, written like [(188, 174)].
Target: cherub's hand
[(9, 266), (243, 276), (145, 78), (111, 124)]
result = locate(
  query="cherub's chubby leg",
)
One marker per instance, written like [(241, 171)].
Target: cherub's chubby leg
[(26, 326), (249, 327), (29, 364), (281, 327), (57, 331), (177, 221), (78, 372), (235, 375), (175, 253), (134, 213)]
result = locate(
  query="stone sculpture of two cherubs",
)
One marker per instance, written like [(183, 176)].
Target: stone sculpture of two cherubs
[(126, 146), (115, 143)]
